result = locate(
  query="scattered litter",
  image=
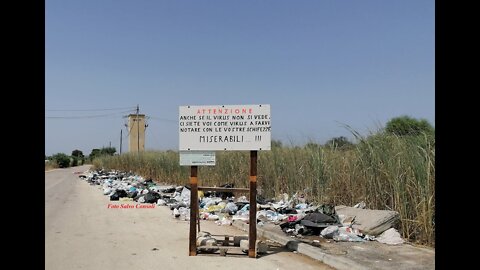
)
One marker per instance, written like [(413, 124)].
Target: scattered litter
[(296, 215), (176, 213), (360, 205), (213, 217), (329, 232), (224, 221), (347, 237), (390, 237), (292, 218), (206, 239)]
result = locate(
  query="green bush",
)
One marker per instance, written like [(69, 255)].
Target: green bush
[(406, 125), (62, 160), (74, 161)]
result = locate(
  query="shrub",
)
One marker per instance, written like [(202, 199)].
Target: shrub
[(62, 160)]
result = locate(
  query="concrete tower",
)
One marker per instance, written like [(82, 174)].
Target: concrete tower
[(136, 127)]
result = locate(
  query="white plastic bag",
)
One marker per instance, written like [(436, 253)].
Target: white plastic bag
[(390, 237)]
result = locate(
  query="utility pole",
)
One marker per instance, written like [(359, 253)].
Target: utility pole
[(138, 132), (121, 141)]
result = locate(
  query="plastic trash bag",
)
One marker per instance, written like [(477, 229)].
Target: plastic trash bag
[(360, 205), (224, 222), (185, 196), (176, 213), (151, 197), (390, 237), (300, 229), (292, 218), (329, 232), (231, 208), (301, 206), (119, 193), (184, 213), (242, 199), (346, 234)]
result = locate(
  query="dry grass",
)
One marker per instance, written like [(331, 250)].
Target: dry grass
[(50, 165), (387, 172)]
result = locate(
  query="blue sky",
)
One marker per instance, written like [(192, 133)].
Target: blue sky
[(319, 64)]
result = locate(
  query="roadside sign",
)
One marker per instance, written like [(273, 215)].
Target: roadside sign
[(224, 127), (197, 158)]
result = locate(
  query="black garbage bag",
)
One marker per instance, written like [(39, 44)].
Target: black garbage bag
[(289, 225), (240, 205), (169, 190), (261, 199), (287, 211), (119, 193), (319, 220), (152, 197), (223, 195)]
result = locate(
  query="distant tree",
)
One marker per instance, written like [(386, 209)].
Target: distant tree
[(405, 125), (78, 158), (95, 153), (339, 143), (74, 161), (77, 153), (108, 151), (62, 160), (105, 151)]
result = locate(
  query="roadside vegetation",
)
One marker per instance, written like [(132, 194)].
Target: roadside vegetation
[(50, 165), (62, 160), (392, 169)]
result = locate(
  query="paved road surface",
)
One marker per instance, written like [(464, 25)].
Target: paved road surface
[(81, 232)]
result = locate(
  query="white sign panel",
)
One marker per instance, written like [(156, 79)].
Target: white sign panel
[(197, 158), (224, 127)]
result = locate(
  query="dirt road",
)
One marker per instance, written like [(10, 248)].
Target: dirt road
[(82, 232)]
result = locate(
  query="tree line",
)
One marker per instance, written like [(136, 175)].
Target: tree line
[(62, 160)]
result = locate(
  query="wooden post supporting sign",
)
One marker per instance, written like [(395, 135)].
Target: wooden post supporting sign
[(252, 226), (193, 210)]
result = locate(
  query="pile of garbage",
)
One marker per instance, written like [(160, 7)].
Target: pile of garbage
[(294, 214), (345, 224), (126, 186)]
